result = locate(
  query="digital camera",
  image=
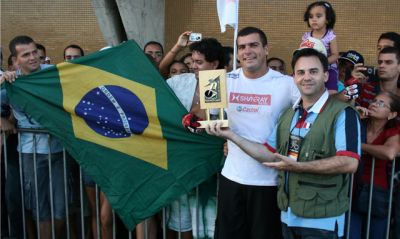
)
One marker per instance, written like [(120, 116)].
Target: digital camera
[(195, 36), (370, 71)]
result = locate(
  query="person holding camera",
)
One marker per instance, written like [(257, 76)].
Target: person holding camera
[(385, 77), (346, 65), (184, 40)]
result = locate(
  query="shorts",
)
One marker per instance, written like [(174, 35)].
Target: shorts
[(178, 215), (203, 209), (43, 182), (247, 211), (197, 211)]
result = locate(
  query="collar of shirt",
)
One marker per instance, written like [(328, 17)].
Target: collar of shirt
[(318, 106)]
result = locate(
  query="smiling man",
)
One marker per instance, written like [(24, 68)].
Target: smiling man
[(25, 52), (247, 206), (314, 146)]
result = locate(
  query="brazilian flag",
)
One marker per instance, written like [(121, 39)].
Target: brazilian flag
[(117, 117)]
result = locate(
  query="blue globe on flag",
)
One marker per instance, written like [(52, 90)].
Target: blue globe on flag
[(113, 111)]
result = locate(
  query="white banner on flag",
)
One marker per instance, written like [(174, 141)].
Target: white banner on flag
[(228, 13)]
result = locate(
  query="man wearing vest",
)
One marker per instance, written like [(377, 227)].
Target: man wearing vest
[(315, 146)]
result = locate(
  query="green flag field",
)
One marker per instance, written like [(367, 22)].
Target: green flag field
[(116, 116)]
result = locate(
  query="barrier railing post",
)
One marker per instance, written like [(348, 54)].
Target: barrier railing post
[(350, 205), (370, 196), (21, 176), (36, 186), (164, 223), (97, 212), (180, 218), (390, 198), (81, 204), (53, 228), (66, 193), (197, 212), (114, 229), (4, 140)]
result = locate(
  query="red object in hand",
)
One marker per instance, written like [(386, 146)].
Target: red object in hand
[(189, 121), (351, 81)]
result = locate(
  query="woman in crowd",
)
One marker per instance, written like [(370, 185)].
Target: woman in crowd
[(381, 143)]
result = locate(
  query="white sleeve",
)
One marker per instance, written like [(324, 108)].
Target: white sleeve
[(171, 83), (295, 93)]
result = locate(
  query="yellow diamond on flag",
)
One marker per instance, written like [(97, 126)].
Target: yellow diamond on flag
[(114, 112)]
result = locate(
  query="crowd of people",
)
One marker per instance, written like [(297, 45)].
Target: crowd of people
[(292, 144)]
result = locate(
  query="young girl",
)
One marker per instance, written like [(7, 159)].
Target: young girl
[(320, 17)]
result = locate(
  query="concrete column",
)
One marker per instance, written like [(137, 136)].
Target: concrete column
[(109, 21), (143, 20)]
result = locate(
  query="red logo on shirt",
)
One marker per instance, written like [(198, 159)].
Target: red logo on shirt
[(249, 99)]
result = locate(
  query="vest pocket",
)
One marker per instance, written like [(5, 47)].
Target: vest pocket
[(314, 199), (315, 154), (309, 190)]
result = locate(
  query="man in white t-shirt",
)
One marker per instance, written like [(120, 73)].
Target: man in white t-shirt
[(247, 206)]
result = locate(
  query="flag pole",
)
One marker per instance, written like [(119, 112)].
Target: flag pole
[(235, 49), (235, 37)]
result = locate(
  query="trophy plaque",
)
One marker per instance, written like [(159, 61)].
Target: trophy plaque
[(212, 90)]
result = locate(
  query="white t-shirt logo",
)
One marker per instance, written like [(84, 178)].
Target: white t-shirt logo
[(249, 99)]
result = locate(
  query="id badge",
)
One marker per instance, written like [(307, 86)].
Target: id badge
[(294, 147)]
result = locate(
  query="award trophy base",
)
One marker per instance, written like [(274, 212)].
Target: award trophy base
[(204, 123)]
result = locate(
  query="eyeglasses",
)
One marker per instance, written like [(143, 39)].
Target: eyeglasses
[(379, 103), (71, 57)]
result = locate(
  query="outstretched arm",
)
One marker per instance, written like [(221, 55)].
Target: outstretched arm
[(331, 165), (387, 151), (255, 150)]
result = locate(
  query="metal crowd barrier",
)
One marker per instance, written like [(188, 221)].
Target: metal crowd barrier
[(84, 226), (370, 201), (81, 232)]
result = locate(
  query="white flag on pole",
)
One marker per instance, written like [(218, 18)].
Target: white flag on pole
[(228, 13)]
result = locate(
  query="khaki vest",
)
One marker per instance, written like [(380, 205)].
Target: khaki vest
[(313, 195)]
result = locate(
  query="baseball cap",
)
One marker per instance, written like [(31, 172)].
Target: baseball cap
[(352, 56), (105, 48), (314, 43)]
